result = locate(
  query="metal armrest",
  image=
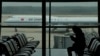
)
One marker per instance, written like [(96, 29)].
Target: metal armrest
[(32, 38), (22, 54)]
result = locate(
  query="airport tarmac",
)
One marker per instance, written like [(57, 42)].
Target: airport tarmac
[(34, 32)]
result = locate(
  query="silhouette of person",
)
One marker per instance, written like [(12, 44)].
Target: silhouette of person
[(79, 42)]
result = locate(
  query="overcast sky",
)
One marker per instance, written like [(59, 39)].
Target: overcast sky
[(38, 4)]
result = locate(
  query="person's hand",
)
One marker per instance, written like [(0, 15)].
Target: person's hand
[(72, 37)]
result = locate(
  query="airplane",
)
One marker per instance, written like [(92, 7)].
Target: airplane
[(36, 20)]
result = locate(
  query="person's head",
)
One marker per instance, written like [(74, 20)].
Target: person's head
[(76, 30)]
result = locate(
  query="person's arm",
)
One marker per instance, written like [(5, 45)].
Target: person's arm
[(73, 38)]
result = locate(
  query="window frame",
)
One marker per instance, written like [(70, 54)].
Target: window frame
[(44, 26)]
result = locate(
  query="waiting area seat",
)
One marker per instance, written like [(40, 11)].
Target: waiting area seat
[(18, 45), (23, 42), (92, 44)]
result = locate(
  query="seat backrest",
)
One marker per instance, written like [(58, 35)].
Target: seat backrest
[(97, 45), (97, 50), (14, 45), (7, 49), (19, 41), (90, 42), (24, 37), (89, 38), (11, 46), (94, 46)]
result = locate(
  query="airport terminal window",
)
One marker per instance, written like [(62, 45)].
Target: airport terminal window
[(21, 12), (29, 32), (69, 14), (60, 11), (23, 17)]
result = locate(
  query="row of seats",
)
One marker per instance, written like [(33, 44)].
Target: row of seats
[(92, 44), (10, 49), (18, 45), (22, 41)]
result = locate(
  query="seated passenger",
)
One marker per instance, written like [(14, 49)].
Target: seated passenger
[(79, 42)]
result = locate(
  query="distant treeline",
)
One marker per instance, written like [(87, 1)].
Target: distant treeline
[(54, 10)]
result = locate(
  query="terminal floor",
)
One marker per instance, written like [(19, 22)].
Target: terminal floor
[(54, 52)]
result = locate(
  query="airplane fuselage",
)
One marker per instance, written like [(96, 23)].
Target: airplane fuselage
[(55, 21)]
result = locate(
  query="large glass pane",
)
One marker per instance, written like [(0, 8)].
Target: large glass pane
[(21, 13), (25, 14), (68, 14), (74, 13), (32, 34)]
